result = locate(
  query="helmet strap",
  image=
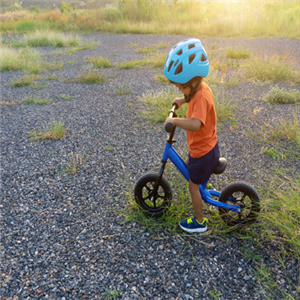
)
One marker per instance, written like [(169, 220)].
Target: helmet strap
[(192, 93)]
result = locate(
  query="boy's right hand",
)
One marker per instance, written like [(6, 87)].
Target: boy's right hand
[(178, 101)]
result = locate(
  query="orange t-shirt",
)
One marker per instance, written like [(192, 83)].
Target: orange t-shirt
[(202, 107)]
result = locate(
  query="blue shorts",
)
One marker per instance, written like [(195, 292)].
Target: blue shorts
[(200, 169)]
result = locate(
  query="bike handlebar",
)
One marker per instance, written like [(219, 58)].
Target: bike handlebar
[(169, 127)]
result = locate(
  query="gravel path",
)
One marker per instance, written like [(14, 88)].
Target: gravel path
[(61, 234)]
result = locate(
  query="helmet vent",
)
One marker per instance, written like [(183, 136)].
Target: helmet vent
[(191, 46), (203, 58), (191, 58), (179, 52), (178, 70), (170, 65)]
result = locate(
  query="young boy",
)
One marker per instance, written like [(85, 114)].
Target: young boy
[(186, 65)]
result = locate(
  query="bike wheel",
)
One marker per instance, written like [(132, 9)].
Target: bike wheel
[(153, 203), (244, 195)]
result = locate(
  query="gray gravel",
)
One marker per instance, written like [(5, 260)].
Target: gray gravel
[(61, 234)]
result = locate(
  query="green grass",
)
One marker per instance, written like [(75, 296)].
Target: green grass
[(100, 62), (51, 39), (281, 211), (224, 105), (161, 79), (24, 59), (282, 96), (287, 129), (272, 69), (131, 64), (27, 60), (75, 162), (210, 18), (88, 78), (237, 54), (36, 100), (123, 90), (23, 81), (56, 131), (180, 208), (158, 105)]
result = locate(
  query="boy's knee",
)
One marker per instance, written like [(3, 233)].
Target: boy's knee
[(193, 187)]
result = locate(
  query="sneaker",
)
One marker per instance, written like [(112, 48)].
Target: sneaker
[(192, 225)]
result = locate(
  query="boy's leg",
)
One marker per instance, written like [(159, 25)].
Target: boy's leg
[(196, 200)]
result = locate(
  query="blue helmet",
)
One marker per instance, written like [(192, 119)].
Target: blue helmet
[(186, 60)]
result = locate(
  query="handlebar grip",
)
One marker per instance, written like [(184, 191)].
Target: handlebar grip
[(169, 127)]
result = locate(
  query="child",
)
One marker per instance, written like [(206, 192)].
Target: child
[(186, 65)]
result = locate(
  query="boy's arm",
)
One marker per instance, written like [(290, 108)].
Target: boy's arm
[(178, 101), (187, 124)]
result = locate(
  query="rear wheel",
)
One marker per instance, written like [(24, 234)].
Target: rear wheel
[(244, 195), (154, 201)]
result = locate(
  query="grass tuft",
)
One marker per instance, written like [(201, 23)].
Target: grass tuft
[(56, 131), (281, 213), (36, 100), (237, 54), (272, 69), (282, 96), (89, 78), (100, 62), (50, 39), (158, 105), (25, 59)]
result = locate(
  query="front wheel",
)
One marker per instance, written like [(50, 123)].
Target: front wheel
[(153, 200), (244, 195)]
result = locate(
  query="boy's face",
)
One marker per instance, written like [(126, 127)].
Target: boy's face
[(186, 91)]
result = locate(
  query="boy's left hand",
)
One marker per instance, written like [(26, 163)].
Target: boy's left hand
[(169, 120)]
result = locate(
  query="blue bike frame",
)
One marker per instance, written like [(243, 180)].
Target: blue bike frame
[(171, 154)]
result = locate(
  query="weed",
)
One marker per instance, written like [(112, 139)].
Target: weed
[(123, 90), (25, 59), (89, 78), (271, 69), (130, 64), (145, 50), (284, 129), (281, 212), (36, 100), (237, 54), (66, 97), (100, 62), (75, 162), (6, 103), (214, 294), (155, 61), (282, 96), (269, 286), (244, 19), (56, 131), (24, 81), (110, 294), (51, 39), (249, 255), (274, 153), (158, 105), (161, 79), (224, 106)]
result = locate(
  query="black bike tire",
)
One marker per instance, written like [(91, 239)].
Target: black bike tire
[(152, 211), (251, 193)]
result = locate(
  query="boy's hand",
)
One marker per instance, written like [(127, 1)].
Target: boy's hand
[(178, 101), (169, 120)]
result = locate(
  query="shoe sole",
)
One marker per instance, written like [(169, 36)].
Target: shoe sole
[(199, 230)]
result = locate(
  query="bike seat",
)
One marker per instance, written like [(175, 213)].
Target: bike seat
[(221, 166)]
